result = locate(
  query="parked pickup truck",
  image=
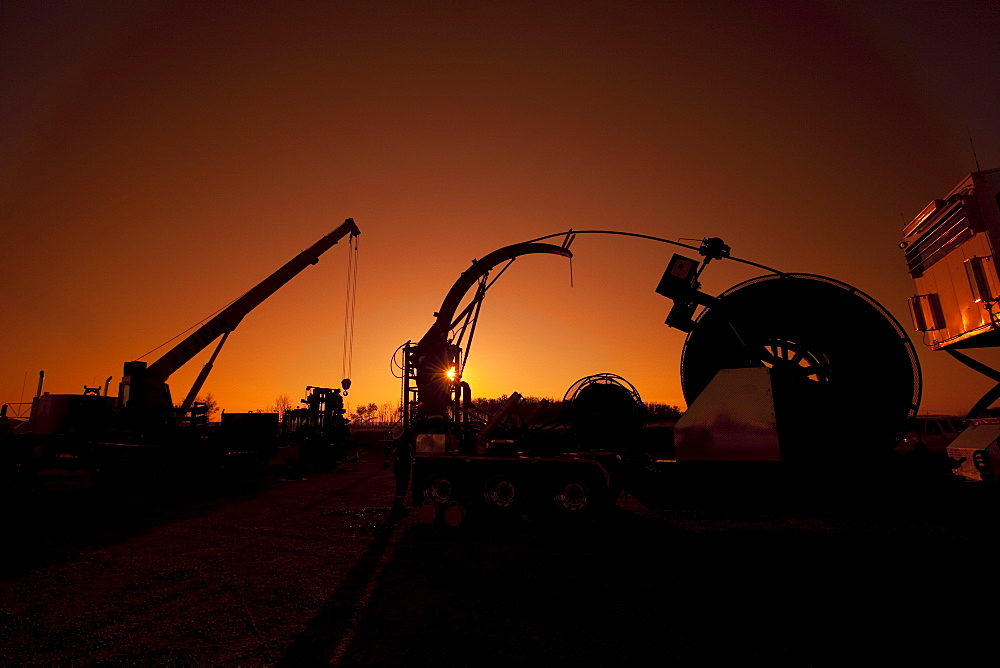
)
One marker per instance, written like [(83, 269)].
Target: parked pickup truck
[(931, 434)]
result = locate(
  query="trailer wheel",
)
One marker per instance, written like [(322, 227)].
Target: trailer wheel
[(501, 493), (572, 496), (438, 489)]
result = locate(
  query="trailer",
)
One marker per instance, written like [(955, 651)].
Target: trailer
[(769, 369)]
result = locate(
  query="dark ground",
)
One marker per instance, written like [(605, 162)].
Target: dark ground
[(317, 572)]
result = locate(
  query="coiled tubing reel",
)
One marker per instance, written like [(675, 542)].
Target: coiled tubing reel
[(605, 410), (844, 374)]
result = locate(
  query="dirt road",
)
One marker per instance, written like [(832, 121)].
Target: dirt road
[(317, 572)]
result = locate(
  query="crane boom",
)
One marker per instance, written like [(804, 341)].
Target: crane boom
[(228, 319), (144, 394)]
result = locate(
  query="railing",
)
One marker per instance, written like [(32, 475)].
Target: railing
[(18, 409)]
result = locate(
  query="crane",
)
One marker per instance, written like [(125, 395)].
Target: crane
[(144, 396)]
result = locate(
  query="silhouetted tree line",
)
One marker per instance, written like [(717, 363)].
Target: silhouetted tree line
[(662, 411), (654, 410), (372, 413), (389, 412), (211, 405)]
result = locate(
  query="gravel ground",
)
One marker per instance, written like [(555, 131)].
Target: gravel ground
[(185, 578), (318, 572)]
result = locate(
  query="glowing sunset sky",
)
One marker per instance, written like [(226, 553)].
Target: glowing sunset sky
[(158, 159)]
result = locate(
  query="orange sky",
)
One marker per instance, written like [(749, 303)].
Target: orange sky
[(158, 159)]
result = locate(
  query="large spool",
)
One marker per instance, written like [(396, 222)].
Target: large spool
[(844, 374), (606, 410)]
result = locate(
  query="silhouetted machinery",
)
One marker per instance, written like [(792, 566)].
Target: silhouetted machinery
[(791, 368), (604, 408), (319, 430), (141, 424), (951, 254), (464, 462), (794, 368)]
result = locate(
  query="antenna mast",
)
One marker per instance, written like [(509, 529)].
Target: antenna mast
[(973, 145)]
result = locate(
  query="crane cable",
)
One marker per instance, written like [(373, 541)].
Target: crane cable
[(349, 302), (197, 324)]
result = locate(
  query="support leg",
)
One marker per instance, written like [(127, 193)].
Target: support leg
[(987, 399)]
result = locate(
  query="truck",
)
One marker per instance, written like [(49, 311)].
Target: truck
[(768, 369)]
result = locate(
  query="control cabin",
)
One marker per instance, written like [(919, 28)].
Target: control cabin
[(951, 254)]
